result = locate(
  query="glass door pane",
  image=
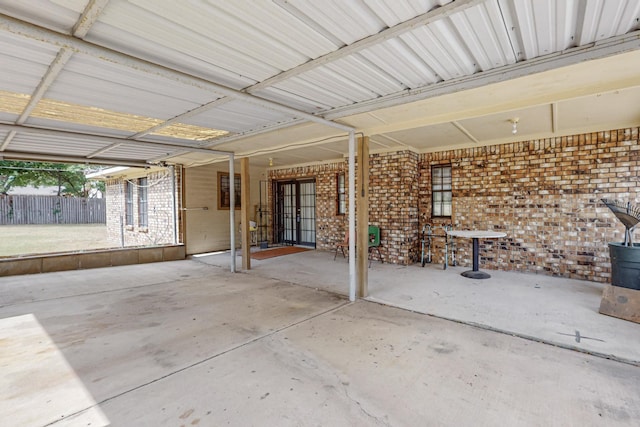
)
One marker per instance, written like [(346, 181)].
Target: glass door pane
[(307, 210), (289, 213)]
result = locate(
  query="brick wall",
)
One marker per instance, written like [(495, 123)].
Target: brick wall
[(393, 204), (330, 227), (545, 195), (160, 229)]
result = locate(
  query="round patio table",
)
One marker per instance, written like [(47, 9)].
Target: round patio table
[(475, 273)]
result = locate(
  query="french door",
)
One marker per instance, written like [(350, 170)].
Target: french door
[(295, 212)]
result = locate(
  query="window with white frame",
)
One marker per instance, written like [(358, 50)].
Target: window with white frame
[(441, 194), (341, 194), (143, 213), (128, 203)]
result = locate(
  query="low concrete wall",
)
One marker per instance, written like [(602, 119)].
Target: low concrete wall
[(89, 259)]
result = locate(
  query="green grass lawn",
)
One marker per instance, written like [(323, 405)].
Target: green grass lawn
[(18, 240)]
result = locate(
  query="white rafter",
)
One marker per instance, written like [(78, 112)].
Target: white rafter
[(389, 33), (86, 20)]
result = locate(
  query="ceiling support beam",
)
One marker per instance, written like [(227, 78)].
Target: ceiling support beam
[(554, 117), (44, 157), (106, 139), (33, 32), (104, 150), (362, 44), (86, 20), (465, 132), (7, 140), (201, 109), (231, 138), (597, 50), (89, 16), (47, 80)]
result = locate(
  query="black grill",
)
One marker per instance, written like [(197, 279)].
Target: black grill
[(627, 213)]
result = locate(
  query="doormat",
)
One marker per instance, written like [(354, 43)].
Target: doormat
[(271, 253)]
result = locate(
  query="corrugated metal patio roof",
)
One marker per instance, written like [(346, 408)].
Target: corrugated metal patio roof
[(261, 77)]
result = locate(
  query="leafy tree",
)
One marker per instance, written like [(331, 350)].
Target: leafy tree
[(69, 178)]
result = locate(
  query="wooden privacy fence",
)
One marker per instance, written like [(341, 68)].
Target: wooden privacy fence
[(18, 209)]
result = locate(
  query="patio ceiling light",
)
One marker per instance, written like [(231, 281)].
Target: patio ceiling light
[(514, 125)]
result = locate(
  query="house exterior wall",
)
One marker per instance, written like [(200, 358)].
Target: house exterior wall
[(160, 229), (207, 229), (393, 204), (544, 194), (330, 227)]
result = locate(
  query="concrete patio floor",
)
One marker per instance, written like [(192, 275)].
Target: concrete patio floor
[(558, 311), (187, 343)]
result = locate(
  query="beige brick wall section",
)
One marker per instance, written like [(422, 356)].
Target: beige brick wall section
[(160, 212), (545, 194), (330, 227)]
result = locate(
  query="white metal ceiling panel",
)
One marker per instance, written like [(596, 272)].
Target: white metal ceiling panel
[(49, 14), (93, 82), (283, 96), (282, 31), (150, 50), (542, 27), (8, 118), (310, 90), (238, 44), (328, 80), (484, 35), (398, 59), (48, 144), (76, 147), (394, 12), (347, 21), (136, 151), (237, 116), (23, 62), (165, 32), (367, 74), (437, 46), (74, 127)]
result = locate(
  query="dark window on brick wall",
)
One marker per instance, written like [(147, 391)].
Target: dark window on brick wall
[(128, 203), (143, 213), (341, 194), (441, 191)]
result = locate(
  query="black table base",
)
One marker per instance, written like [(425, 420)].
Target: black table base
[(476, 274)]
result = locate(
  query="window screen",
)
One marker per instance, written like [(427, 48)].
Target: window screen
[(143, 220), (441, 191), (128, 203), (341, 195)]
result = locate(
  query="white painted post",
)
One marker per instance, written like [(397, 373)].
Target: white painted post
[(232, 212), (352, 216)]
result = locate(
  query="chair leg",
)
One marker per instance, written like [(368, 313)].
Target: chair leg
[(371, 248), (379, 255)]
